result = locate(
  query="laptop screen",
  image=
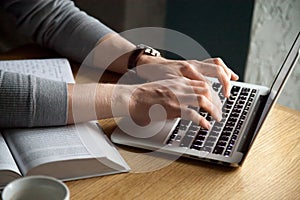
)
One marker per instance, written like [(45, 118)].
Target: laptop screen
[(281, 78)]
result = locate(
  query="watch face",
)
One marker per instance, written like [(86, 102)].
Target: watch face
[(140, 50), (148, 50)]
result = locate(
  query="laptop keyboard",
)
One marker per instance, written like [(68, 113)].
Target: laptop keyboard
[(223, 135)]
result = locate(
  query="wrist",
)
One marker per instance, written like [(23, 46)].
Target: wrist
[(121, 102)]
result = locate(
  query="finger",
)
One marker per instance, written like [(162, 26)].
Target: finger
[(210, 94), (219, 72), (224, 80), (220, 62), (202, 102), (190, 114), (209, 68), (230, 73), (188, 70), (200, 88)]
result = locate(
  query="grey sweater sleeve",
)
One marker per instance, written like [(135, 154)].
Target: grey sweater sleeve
[(57, 24), (28, 101)]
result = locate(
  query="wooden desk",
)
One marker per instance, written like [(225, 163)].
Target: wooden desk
[(271, 170)]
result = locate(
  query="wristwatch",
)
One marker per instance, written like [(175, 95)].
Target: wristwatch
[(140, 50)]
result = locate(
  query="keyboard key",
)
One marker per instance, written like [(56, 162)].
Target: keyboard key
[(216, 128), (209, 144), (235, 114), (235, 90), (224, 138), (183, 127), (214, 133), (191, 133), (222, 143), (232, 142), (241, 102), (227, 153), (230, 101), (203, 132), (221, 96), (184, 122), (185, 142), (194, 108), (230, 123), (209, 118), (218, 124), (178, 138), (236, 132), (198, 143), (194, 128), (228, 128), (228, 106), (233, 137), (226, 133), (232, 119), (237, 111), (196, 147), (173, 136), (216, 86), (211, 139), (218, 150), (207, 149), (203, 114)]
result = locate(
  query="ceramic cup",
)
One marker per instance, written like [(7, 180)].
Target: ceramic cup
[(36, 188)]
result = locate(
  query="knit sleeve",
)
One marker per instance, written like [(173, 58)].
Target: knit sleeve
[(29, 101), (57, 24)]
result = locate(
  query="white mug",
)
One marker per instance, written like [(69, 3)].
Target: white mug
[(36, 188)]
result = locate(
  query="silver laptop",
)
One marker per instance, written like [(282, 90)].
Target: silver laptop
[(229, 140)]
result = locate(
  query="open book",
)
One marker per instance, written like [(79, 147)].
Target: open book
[(66, 152)]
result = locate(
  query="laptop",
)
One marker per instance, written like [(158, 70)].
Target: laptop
[(229, 140)]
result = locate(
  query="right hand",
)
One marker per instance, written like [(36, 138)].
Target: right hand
[(174, 95)]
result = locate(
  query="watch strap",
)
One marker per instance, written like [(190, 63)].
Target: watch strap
[(140, 50)]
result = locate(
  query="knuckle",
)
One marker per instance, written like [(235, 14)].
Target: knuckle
[(200, 100), (206, 92), (217, 60), (185, 66), (206, 85)]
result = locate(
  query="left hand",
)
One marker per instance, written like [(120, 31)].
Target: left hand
[(159, 68)]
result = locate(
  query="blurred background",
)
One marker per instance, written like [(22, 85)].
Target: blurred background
[(253, 37)]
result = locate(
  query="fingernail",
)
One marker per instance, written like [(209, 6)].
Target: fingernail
[(219, 117), (236, 76), (208, 125)]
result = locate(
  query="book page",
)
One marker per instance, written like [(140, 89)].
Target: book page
[(6, 160), (34, 147), (54, 69), (8, 167)]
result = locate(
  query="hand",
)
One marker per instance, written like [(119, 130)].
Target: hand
[(174, 95), (158, 68)]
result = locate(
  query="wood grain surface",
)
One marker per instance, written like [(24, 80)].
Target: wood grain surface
[(271, 170)]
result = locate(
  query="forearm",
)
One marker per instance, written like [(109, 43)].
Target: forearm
[(112, 53), (96, 101)]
